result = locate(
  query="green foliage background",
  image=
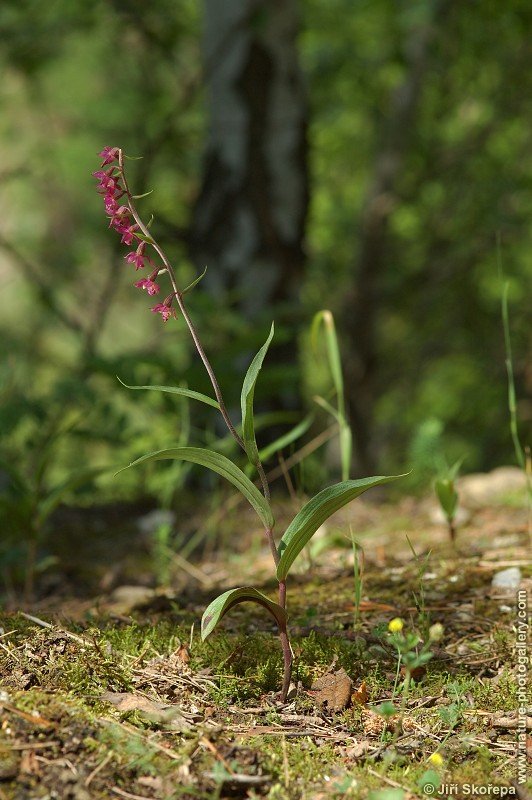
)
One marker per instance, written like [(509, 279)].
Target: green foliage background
[(81, 75)]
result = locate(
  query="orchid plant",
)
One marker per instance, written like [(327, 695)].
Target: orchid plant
[(120, 207)]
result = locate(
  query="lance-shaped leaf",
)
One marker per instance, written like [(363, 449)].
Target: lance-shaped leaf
[(315, 512), (216, 610), (195, 283), (223, 466), (203, 398), (144, 238), (246, 401)]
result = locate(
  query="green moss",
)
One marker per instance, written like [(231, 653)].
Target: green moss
[(243, 663)]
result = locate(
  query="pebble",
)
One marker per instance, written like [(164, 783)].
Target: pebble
[(507, 580)]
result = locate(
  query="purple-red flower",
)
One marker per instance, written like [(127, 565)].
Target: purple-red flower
[(111, 206), (119, 214), (137, 256), (165, 311), (108, 155), (128, 233), (150, 286), (123, 222), (109, 183)]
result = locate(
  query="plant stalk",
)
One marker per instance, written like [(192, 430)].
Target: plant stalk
[(285, 643), (181, 304)]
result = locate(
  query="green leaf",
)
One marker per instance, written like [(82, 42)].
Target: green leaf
[(333, 350), (147, 239), (223, 466), (448, 497), (315, 512), (246, 401), (454, 470), (216, 610), (386, 709), (203, 398), (194, 283), (335, 365), (429, 782)]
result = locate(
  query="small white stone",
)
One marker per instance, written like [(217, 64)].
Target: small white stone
[(507, 580)]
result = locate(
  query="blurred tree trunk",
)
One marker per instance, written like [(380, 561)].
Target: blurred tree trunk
[(248, 222), (362, 302)]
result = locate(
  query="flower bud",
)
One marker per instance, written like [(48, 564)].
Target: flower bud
[(436, 632)]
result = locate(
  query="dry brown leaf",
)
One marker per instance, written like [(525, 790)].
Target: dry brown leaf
[(127, 701), (182, 654), (156, 712), (333, 690), (29, 764), (357, 750), (360, 696)]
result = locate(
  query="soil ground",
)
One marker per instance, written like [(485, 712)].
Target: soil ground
[(106, 690)]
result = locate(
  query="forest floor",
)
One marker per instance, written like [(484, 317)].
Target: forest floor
[(106, 690)]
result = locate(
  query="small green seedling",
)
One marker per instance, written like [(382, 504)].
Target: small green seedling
[(337, 411), (126, 221), (446, 492)]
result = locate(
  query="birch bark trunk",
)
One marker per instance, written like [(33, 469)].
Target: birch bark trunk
[(248, 222)]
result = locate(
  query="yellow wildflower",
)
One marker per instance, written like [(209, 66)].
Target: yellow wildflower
[(396, 625)]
